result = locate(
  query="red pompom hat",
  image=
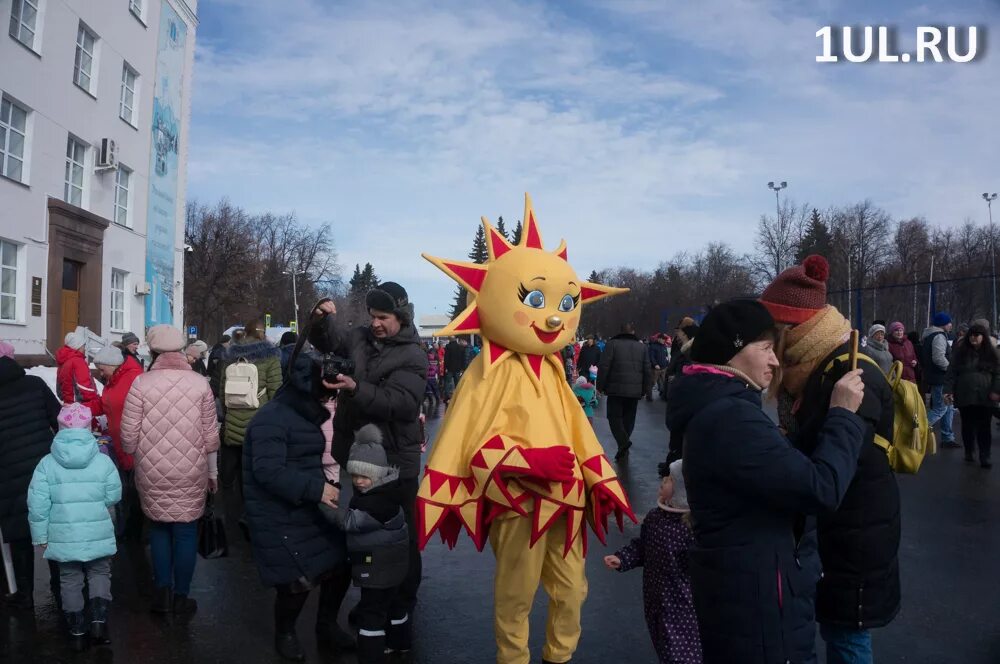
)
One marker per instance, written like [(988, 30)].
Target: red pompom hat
[(799, 292)]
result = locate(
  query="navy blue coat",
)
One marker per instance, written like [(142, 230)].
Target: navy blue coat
[(283, 482), (754, 567), (28, 410)]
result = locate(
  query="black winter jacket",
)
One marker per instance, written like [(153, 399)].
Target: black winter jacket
[(753, 575), (455, 358), (391, 375), (625, 370), (283, 482), (658, 354), (590, 356), (859, 543), (28, 411), (970, 380), (378, 542)]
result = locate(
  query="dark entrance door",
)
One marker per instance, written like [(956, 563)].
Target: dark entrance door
[(70, 296)]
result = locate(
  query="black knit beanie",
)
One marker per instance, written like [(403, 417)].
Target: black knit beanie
[(728, 328), (391, 298)]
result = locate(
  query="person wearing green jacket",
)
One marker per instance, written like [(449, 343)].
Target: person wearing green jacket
[(253, 347), (68, 500)]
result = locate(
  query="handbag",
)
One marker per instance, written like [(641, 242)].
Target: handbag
[(212, 542)]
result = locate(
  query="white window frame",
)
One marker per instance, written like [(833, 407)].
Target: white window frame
[(73, 166), (19, 27), (7, 131), (128, 110), (84, 56), (119, 298), (123, 197), (135, 6), (16, 269)]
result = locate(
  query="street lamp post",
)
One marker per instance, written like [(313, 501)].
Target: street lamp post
[(295, 297), (776, 188), (989, 198)]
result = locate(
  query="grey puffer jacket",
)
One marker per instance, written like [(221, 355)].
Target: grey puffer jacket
[(391, 375), (625, 370)]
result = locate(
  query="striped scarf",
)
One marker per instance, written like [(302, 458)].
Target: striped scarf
[(807, 344)]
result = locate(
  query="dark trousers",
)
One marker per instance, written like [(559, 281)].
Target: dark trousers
[(381, 624), (231, 478), (621, 419), (22, 555), (976, 423), (406, 598), (289, 601)]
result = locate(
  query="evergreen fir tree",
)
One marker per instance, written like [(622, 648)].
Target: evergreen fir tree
[(501, 228), (478, 254), (515, 237), (817, 239)]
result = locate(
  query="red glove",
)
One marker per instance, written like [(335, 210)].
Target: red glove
[(554, 464)]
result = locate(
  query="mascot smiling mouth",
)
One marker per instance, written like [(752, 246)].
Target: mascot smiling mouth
[(547, 337)]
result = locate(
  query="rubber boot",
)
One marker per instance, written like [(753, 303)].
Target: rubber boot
[(99, 609), (76, 621), (162, 600)]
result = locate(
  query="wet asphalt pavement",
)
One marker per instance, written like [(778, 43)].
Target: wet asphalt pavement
[(947, 559)]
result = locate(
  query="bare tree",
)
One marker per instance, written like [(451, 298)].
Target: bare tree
[(777, 241)]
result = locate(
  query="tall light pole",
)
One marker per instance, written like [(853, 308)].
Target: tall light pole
[(776, 188), (989, 198), (295, 297)]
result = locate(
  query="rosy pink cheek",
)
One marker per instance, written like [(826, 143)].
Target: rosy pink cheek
[(522, 319), (571, 323)]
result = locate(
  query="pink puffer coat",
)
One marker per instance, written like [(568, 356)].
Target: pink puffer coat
[(170, 425)]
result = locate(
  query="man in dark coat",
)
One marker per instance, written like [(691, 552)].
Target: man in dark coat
[(386, 390), (28, 411), (590, 356), (624, 375), (216, 362), (294, 546), (658, 359), (859, 542), (456, 360)]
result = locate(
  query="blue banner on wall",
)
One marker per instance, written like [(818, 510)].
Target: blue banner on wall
[(162, 217)]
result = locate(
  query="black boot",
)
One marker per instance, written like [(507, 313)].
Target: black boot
[(162, 600), (99, 608), (288, 646), (184, 605), (77, 623)]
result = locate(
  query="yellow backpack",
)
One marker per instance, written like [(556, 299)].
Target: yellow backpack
[(911, 434)]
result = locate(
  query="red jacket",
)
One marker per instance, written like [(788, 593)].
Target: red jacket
[(902, 351), (73, 379), (113, 403)]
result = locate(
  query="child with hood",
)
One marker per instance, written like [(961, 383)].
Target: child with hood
[(68, 500), (377, 545), (586, 394), (662, 551)]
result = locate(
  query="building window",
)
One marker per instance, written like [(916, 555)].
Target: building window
[(122, 179), (23, 15), (127, 110), (76, 159), (8, 281), (13, 132), (118, 279), (135, 6), (85, 44)]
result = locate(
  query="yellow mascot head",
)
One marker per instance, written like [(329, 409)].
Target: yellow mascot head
[(524, 300)]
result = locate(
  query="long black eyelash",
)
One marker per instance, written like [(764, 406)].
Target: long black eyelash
[(576, 301), (522, 293)]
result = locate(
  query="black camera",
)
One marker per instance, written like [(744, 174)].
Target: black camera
[(334, 365)]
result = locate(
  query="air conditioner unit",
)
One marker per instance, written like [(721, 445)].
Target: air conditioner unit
[(143, 289), (108, 157)]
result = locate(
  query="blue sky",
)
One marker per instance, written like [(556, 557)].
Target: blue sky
[(641, 128)]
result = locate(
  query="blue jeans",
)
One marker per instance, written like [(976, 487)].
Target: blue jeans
[(174, 549), (941, 412), (847, 646)]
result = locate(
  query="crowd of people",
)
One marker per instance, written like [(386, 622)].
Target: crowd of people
[(762, 529)]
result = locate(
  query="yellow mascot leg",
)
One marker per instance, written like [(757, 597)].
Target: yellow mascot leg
[(519, 571), (565, 582)]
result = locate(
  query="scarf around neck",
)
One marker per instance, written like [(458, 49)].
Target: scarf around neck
[(807, 344)]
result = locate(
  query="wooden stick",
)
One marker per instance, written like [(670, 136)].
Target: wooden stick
[(854, 350)]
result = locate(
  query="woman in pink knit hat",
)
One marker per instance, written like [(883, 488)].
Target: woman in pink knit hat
[(859, 543)]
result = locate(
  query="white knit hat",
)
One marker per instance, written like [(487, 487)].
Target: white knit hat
[(679, 503), (76, 339)]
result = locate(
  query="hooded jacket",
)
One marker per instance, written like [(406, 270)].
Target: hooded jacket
[(68, 499), (73, 380), (625, 370), (753, 568), (169, 424), (283, 483), (28, 411), (112, 405), (391, 376), (267, 358), (902, 351)]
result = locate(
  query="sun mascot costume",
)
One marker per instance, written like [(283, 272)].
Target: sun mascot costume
[(516, 460)]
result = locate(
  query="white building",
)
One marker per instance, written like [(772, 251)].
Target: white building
[(93, 152)]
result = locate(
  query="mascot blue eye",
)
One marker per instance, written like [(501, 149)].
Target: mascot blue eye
[(567, 304), (535, 299)]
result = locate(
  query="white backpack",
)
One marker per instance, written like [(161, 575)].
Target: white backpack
[(242, 386)]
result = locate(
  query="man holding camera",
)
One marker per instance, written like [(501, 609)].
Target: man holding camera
[(386, 389)]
